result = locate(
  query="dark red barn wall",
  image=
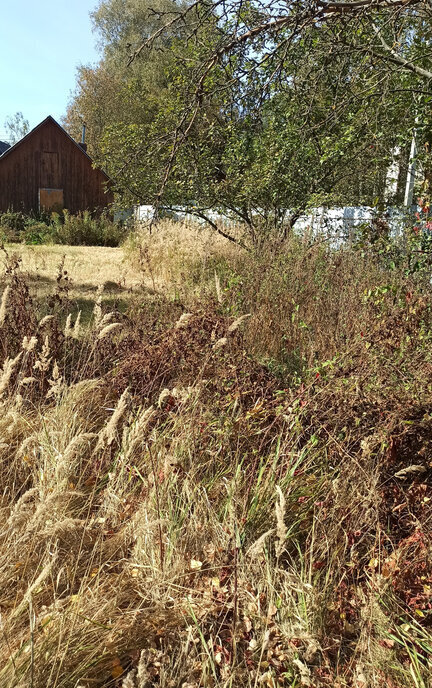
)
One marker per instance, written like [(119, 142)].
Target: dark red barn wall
[(48, 158)]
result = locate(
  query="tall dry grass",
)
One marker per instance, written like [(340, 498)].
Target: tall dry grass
[(177, 256), (192, 497)]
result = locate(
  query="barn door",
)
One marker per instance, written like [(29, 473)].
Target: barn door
[(51, 200), (49, 170)]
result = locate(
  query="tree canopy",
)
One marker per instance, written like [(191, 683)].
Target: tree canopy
[(17, 127), (258, 109)]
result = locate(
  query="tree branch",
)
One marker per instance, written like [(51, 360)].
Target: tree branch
[(394, 57)]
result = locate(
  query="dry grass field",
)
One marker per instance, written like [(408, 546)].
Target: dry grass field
[(87, 267), (219, 474)]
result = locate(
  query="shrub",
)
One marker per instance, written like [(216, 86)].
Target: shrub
[(85, 230), (12, 224), (35, 232), (75, 230)]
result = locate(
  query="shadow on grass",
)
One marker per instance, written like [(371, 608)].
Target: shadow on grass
[(81, 296), (86, 306)]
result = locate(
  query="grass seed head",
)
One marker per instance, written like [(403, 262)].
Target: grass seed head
[(237, 322), (184, 320), (29, 344), (281, 529), (9, 367), (68, 331), (3, 304), (77, 326), (107, 330)]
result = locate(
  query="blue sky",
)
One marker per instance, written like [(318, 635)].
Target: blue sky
[(41, 44)]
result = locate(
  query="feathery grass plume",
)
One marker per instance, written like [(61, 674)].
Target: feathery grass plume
[(77, 442), (45, 320), (56, 383), (11, 419), (51, 502), (140, 677), (34, 586), (28, 444), (3, 304), (16, 515), (237, 322), (257, 547), (184, 320), (65, 526), (85, 387), (68, 331), (133, 436), (29, 344), (218, 288), (107, 329), (97, 310), (44, 360), (107, 319), (164, 397), (129, 680), (281, 530), (66, 464), (27, 381), (142, 669), (77, 327), (8, 369), (108, 433), (220, 343)]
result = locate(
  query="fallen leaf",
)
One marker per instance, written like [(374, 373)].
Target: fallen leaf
[(247, 624), (117, 669), (387, 643)]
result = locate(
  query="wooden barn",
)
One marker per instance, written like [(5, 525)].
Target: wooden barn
[(48, 170)]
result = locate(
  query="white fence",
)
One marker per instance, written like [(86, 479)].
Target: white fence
[(339, 223)]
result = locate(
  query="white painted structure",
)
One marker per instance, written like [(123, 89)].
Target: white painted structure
[(337, 223)]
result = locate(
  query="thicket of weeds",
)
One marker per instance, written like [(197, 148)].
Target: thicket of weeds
[(82, 229), (229, 485)]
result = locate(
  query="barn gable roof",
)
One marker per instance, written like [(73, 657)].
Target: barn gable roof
[(3, 147), (47, 120)]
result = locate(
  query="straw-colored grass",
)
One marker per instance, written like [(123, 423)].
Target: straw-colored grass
[(227, 485), (82, 270), (87, 265)]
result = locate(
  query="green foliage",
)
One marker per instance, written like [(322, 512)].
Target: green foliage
[(111, 94), (74, 230), (17, 127), (12, 222), (259, 130), (410, 251), (85, 230)]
